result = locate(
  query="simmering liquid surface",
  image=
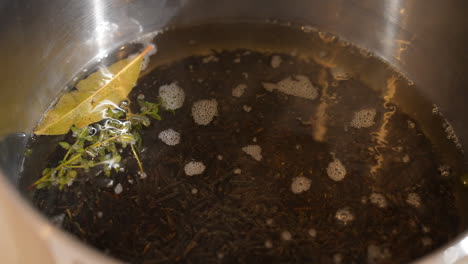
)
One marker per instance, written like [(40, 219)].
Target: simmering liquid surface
[(294, 147)]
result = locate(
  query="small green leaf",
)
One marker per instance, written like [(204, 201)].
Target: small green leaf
[(45, 171), (114, 113), (28, 152), (61, 173), (64, 145), (91, 163), (76, 161), (127, 138), (71, 174), (42, 185), (74, 129)]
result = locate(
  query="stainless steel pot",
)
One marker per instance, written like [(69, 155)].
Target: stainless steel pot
[(44, 43)]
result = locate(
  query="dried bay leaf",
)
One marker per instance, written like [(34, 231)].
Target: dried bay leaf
[(88, 104)]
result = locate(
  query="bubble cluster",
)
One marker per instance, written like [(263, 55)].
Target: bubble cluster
[(255, 151), (203, 111), (299, 86), (414, 199), (172, 96), (339, 73), (337, 258), (377, 255), (312, 232), (378, 199), (344, 216), (450, 133), (406, 158), (286, 235), (194, 168), (300, 184), (247, 108), (444, 170), (170, 137), (363, 118), (239, 90), (336, 170), (426, 241), (275, 61), (210, 58)]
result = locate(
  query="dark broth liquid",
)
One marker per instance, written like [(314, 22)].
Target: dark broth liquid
[(395, 202)]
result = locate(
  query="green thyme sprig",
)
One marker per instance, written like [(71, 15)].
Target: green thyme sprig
[(99, 145)]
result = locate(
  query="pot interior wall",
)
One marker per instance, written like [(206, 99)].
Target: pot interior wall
[(46, 43)]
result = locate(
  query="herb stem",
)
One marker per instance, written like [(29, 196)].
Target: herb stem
[(74, 144), (137, 158), (77, 156)]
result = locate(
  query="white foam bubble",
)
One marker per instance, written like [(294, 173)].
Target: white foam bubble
[(286, 235), (378, 199), (363, 118), (435, 109), (239, 90), (414, 199), (247, 108), (312, 232), (146, 40), (172, 96), (336, 170), (146, 59), (406, 158), (210, 58), (194, 168), (344, 215), (444, 170), (237, 171), (426, 241), (299, 86), (300, 184), (337, 258), (339, 73), (275, 61), (255, 151), (170, 137), (450, 133), (203, 111), (377, 255), (118, 189)]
